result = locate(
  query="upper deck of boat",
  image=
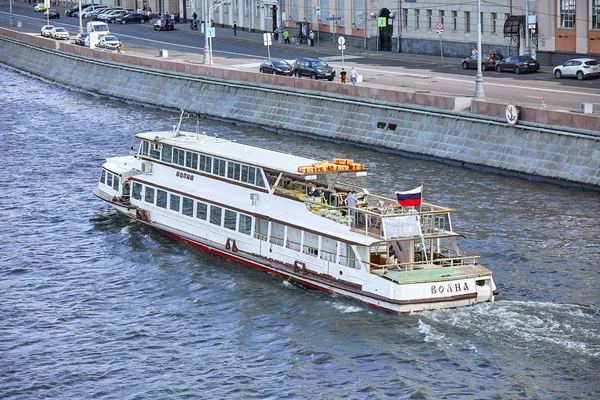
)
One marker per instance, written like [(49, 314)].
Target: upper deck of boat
[(228, 149)]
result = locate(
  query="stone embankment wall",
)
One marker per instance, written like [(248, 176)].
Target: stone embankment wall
[(419, 124)]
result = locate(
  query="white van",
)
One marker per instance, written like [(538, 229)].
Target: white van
[(99, 27), (86, 13)]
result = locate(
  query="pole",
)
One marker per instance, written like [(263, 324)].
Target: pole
[(279, 23), (479, 94), (80, 20), (400, 22), (365, 24), (441, 48), (12, 17), (206, 57), (527, 49)]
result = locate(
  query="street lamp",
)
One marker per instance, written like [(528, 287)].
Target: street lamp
[(12, 17), (207, 59), (479, 94), (80, 20)]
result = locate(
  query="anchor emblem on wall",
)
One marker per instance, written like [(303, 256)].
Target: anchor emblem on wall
[(512, 114)]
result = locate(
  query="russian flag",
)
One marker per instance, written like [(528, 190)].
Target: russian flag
[(410, 198)]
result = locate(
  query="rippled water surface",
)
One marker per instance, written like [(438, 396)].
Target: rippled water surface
[(96, 306)]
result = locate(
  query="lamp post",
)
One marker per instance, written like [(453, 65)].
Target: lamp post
[(80, 20), (479, 94), (207, 58), (527, 49)]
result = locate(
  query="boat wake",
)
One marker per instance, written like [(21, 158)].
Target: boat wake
[(536, 326)]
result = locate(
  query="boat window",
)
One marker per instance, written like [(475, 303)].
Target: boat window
[(201, 210), (215, 215), (155, 151), (149, 195), (166, 153), (205, 163), (251, 175), (262, 229), (230, 219), (161, 198), (109, 177), (244, 173), (259, 178), (222, 167), (191, 160), (347, 256), (245, 224), (178, 157), (277, 233), (103, 177), (215, 169), (236, 172), (145, 147), (311, 244), (116, 183), (174, 203), (328, 249), (294, 236), (230, 169), (188, 207), (137, 191)]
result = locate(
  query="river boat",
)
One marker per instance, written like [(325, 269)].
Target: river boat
[(309, 221)]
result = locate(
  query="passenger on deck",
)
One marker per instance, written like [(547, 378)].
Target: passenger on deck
[(351, 201)]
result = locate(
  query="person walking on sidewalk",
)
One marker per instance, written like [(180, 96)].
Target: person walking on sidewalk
[(286, 37), (353, 76), (234, 29), (311, 38), (343, 76)]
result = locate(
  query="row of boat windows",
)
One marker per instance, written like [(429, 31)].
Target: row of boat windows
[(216, 215), (200, 162), (109, 179), (281, 235)]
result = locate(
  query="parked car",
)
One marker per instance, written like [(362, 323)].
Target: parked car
[(80, 38), (277, 67), (313, 67), (164, 24), (132, 17), (88, 11), (52, 13), (580, 68), (488, 61), (113, 15), (518, 64), (40, 7), (109, 42), (60, 33), (47, 30), (71, 10)]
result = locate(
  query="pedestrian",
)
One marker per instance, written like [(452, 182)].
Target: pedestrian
[(353, 76), (234, 29), (173, 19), (343, 76), (276, 35), (311, 37), (286, 37)]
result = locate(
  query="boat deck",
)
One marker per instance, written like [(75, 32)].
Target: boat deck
[(433, 274)]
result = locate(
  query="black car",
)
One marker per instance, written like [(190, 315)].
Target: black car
[(488, 61), (313, 67), (52, 13), (70, 11), (164, 24), (132, 17), (518, 64), (277, 67)]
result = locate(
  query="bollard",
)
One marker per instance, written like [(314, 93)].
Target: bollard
[(163, 53), (19, 24)]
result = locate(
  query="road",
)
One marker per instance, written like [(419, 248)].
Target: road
[(418, 73)]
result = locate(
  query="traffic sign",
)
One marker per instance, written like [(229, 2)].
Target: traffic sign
[(333, 19), (210, 32), (267, 39), (439, 26), (341, 40), (381, 22), (318, 10)]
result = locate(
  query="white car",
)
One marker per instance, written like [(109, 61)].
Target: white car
[(60, 33), (579, 68), (40, 7), (109, 42), (47, 30), (88, 11)]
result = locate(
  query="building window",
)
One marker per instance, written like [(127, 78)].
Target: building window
[(454, 20), (358, 8), (405, 18), (567, 13), (494, 23), (595, 14), (467, 22), (442, 16), (429, 19), (417, 19), (481, 19)]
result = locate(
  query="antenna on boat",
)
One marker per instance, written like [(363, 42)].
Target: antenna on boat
[(177, 127)]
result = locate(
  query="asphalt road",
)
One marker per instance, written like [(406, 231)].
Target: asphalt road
[(426, 74)]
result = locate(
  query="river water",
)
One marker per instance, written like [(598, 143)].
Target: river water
[(95, 306)]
